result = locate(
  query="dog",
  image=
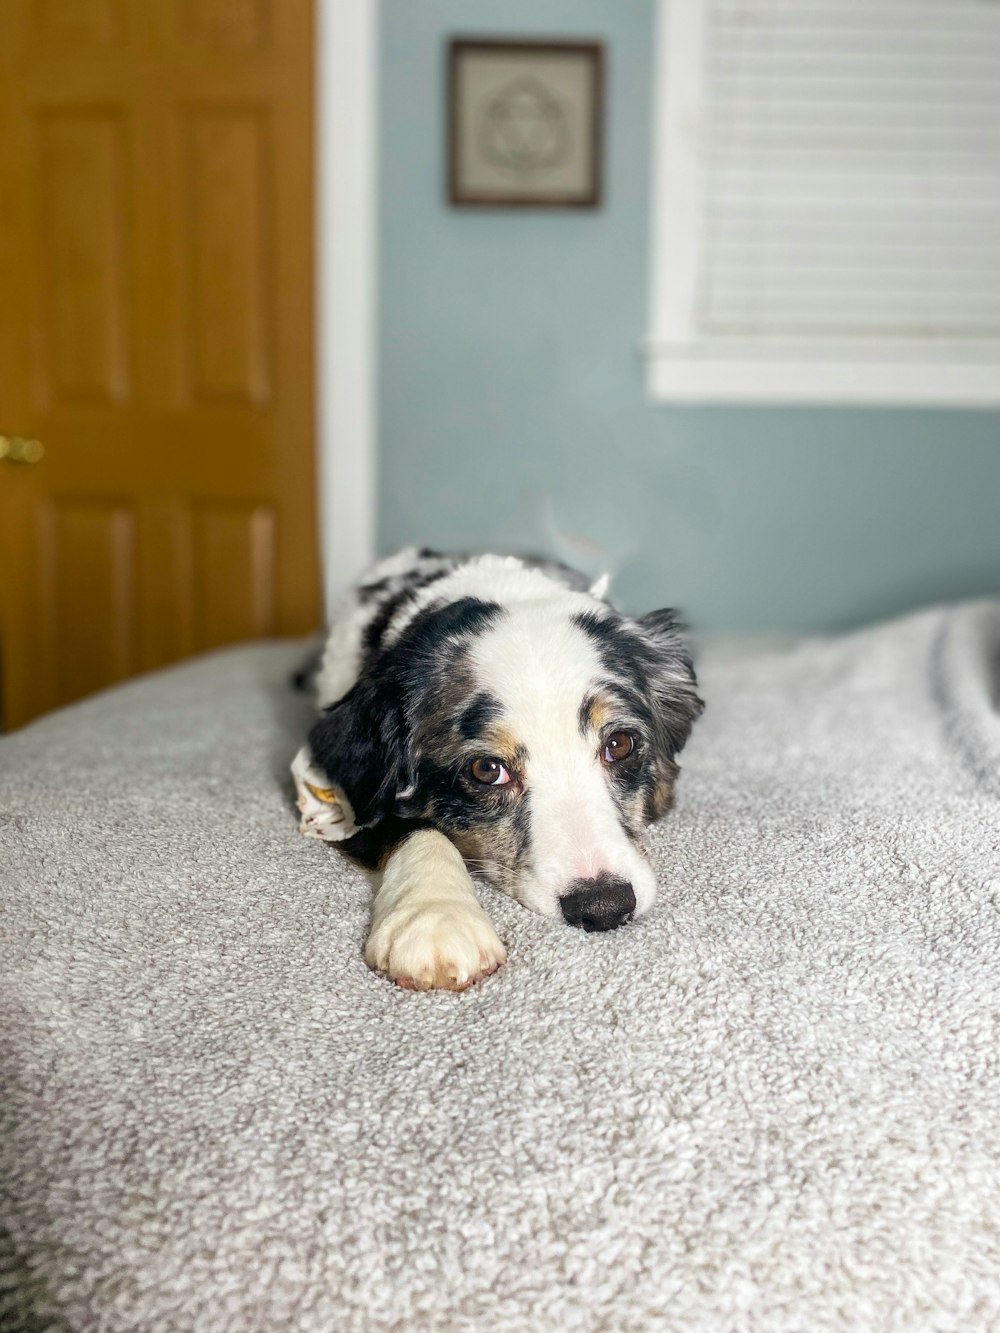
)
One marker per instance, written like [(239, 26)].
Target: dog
[(494, 715)]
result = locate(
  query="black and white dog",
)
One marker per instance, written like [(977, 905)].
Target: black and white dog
[(492, 714)]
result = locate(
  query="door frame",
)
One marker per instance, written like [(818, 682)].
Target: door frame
[(346, 253)]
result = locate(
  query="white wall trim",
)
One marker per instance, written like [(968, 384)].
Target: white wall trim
[(346, 221), (690, 378), (675, 236)]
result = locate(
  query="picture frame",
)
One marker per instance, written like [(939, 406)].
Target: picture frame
[(525, 123)]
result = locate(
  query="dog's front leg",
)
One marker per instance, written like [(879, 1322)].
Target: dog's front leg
[(428, 931)]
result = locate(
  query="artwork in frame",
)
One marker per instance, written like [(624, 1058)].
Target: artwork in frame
[(524, 123)]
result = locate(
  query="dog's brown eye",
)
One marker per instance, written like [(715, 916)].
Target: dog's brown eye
[(489, 771), (619, 745)]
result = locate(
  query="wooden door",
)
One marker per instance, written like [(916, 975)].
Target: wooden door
[(156, 336)]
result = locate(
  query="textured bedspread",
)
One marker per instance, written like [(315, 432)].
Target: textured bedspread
[(773, 1104)]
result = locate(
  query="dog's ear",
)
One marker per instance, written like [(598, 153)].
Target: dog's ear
[(672, 681), (362, 744)]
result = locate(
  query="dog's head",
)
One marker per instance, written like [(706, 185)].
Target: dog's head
[(541, 736)]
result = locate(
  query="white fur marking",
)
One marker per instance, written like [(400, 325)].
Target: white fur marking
[(541, 667)]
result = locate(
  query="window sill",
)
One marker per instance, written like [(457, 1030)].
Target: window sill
[(955, 375)]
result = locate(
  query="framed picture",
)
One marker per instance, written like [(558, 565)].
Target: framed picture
[(524, 123)]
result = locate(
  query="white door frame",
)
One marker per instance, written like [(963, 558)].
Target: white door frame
[(346, 221)]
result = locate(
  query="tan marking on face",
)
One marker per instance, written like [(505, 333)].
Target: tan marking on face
[(663, 796), (466, 842), (498, 740), (493, 848), (600, 713)]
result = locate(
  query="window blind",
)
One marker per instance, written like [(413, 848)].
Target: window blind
[(832, 179)]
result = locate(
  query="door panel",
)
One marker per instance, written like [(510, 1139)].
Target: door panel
[(225, 24), (156, 335), (81, 189), (79, 23), (229, 270), (88, 560), (232, 573)]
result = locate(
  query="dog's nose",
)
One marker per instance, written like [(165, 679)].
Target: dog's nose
[(604, 903)]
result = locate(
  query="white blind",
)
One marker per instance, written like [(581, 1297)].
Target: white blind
[(851, 170), (826, 201)]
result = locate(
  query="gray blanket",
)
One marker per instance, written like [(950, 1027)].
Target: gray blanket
[(774, 1104)]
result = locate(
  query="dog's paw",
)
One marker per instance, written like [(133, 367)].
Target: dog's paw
[(449, 946), (323, 813), (328, 822), (324, 808)]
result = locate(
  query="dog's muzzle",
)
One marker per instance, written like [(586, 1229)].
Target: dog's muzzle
[(604, 903)]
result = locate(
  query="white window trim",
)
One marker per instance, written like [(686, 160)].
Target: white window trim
[(681, 368), (346, 127)]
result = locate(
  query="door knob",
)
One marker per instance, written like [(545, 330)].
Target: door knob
[(16, 449)]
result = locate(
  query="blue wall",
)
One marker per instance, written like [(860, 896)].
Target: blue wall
[(512, 406)]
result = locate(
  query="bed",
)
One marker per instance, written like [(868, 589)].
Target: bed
[(772, 1104)]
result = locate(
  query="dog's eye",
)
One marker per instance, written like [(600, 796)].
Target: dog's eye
[(619, 745), (489, 771)]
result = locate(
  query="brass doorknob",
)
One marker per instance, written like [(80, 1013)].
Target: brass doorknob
[(16, 449)]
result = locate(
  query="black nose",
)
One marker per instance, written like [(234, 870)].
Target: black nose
[(604, 903)]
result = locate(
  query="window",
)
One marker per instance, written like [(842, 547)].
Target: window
[(827, 201)]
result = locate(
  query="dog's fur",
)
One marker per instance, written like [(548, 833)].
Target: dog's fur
[(435, 662)]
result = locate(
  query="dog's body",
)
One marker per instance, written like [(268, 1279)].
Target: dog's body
[(494, 714)]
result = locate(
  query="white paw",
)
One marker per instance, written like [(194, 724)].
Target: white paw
[(326, 813), (328, 823), (446, 946)]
